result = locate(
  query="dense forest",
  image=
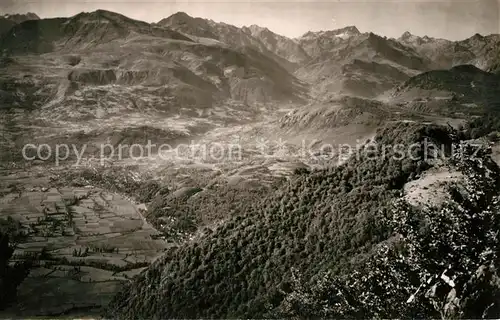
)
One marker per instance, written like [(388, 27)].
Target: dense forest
[(486, 125), (441, 262), (327, 221)]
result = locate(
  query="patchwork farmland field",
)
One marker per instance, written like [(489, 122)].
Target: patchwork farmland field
[(90, 241)]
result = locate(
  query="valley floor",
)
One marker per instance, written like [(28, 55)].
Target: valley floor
[(91, 241)]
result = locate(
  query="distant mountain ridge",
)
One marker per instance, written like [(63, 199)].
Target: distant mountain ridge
[(103, 51), (18, 18), (278, 44), (7, 21), (333, 63), (463, 89), (314, 43), (482, 51), (274, 46), (83, 30), (478, 50)]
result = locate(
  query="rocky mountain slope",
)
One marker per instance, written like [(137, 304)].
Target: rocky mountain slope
[(96, 77), (342, 112), (83, 31), (359, 64), (314, 43), (278, 44), (462, 89), (346, 61), (82, 60), (335, 62), (478, 50), (229, 35)]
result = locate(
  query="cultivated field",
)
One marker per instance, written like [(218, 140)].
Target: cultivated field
[(90, 242)]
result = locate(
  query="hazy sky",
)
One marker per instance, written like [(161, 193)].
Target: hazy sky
[(450, 19)]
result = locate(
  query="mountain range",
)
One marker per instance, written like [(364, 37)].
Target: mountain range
[(252, 64)]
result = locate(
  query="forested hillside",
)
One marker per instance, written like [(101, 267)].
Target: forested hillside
[(440, 262), (332, 219)]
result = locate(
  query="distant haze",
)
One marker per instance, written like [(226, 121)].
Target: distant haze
[(454, 20)]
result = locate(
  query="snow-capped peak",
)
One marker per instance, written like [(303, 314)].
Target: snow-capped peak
[(18, 18), (410, 38), (342, 33)]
